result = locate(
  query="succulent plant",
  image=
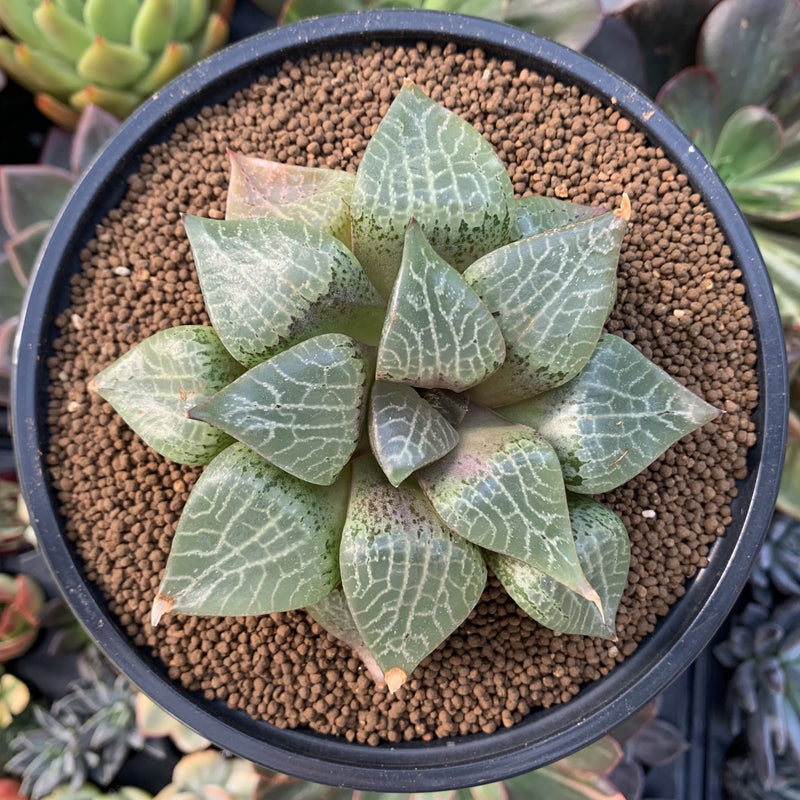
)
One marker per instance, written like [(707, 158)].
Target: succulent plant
[(741, 781), (378, 527), (10, 789), (15, 529), (209, 775), (30, 197), (86, 734), (763, 649), (91, 792), (778, 563), (14, 698), (153, 722), (21, 599), (108, 53)]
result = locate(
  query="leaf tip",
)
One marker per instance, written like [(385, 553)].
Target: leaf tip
[(92, 386), (395, 678), (161, 605), (625, 210)]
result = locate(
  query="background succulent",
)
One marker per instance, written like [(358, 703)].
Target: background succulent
[(778, 563), (109, 53), (209, 775), (21, 599), (303, 351), (15, 528)]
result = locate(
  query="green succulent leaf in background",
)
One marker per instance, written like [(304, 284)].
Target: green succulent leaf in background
[(108, 53), (449, 485)]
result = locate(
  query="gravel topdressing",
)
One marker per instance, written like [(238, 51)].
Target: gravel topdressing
[(681, 302)]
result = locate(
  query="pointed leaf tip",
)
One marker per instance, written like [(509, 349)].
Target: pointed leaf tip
[(161, 605)]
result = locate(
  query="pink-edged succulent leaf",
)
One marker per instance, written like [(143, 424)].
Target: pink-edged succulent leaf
[(31, 193), (302, 409), (423, 162), (631, 726), (316, 197), (752, 47), (438, 334), (56, 148), (153, 386), (21, 599), (405, 432), (692, 99), (501, 488), (409, 581), (95, 127), (750, 141), (270, 283), (252, 540), (537, 214), (657, 744), (620, 414), (23, 250), (334, 615), (551, 294), (12, 290), (603, 548)]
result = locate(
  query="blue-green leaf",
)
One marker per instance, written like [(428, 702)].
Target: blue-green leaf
[(252, 540)]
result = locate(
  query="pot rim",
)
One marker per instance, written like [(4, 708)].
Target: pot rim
[(544, 735)]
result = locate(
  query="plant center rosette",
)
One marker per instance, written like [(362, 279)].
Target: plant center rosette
[(406, 380)]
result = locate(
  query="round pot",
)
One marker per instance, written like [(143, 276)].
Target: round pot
[(544, 735)]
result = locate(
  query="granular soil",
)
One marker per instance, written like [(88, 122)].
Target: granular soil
[(681, 303)]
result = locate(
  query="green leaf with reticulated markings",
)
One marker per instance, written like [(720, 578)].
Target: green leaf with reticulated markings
[(252, 540), (451, 405), (501, 488), (302, 410), (537, 214), (409, 581), (269, 283), (153, 386), (317, 197), (333, 613), (550, 294), (437, 334), (405, 432), (617, 417), (423, 162), (603, 548)]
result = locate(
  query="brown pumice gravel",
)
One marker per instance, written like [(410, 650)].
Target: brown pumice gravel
[(680, 302)]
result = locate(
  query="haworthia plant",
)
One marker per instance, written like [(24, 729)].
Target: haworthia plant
[(369, 482)]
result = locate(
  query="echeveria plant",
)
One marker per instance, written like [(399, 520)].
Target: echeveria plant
[(406, 378)]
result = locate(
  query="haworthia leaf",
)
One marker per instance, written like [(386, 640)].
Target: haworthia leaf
[(501, 488), (405, 432), (603, 548), (617, 417), (333, 613), (426, 163), (302, 410), (269, 283), (550, 294), (252, 540), (537, 214), (451, 405), (153, 386), (409, 582), (317, 197), (437, 332)]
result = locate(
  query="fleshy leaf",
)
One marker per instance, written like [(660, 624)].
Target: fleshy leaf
[(437, 334), (154, 385), (333, 613), (302, 410), (781, 254), (31, 193), (317, 197), (451, 405), (23, 249), (112, 19), (66, 36), (617, 417), (749, 142), (154, 25), (691, 98), (175, 58), (12, 292), (501, 488), (110, 64), (538, 214), (751, 46), (405, 432), (774, 193), (423, 162), (269, 283), (550, 294), (252, 540), (95, 127), (603, 548), (409, 582)]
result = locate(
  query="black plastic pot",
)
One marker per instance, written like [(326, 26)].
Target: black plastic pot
[(543, 736)]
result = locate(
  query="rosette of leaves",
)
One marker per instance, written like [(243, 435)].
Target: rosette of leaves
[(21, 599), (209, 775), (406, 379), (778, 563), (108, 53), (31, 196), (741, 781), (763, 649)]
